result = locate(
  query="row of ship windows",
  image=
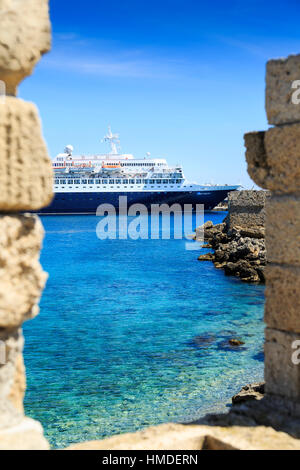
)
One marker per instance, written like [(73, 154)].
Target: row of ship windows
[(83, 199), (142, 164), (122, 164), (117, 181)]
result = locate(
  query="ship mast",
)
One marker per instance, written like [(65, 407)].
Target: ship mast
[(113, 140)]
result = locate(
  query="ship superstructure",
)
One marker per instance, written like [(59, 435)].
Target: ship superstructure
[(83, 182)]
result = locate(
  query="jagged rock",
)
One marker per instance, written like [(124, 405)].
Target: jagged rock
[(208, 225), (239, 250), (25, 34), (243, 270), (251, 232), (207, 257), (249, 392), (219, 265), (235, 342)]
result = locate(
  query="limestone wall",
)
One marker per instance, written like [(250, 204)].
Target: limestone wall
[(25, 184), (246, 209), (273, 160)]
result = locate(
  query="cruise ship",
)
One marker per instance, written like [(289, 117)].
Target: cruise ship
[(83, 182)]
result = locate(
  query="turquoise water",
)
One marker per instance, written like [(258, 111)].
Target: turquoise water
[(134, 333)]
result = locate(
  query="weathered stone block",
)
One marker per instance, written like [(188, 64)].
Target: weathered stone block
[(282, 308), (283, 230), (26, 435), (17, 391), (246, 208), (247, 199), (256, 157), (282, 373), (21, 276), (282, 146), (11, 342), (280, 75), (26, 178), (273, 158), (25, 34)]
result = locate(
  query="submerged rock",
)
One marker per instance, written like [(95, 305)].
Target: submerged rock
[(235, 342), (202, 341)]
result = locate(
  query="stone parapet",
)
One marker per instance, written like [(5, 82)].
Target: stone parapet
[(246, 209), (280, 77)]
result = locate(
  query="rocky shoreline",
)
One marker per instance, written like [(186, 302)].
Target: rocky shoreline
[(238, 243), (239, 251)]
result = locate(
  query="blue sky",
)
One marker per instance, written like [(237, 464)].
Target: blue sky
[(181, 79)]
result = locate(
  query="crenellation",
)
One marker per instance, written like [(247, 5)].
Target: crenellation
[(281, 90), (247, 209)]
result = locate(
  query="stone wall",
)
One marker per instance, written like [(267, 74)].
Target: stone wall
[(246, 209), (273, 160), (25, 184)]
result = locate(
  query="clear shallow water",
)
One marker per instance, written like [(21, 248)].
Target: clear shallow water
[(134, 333)]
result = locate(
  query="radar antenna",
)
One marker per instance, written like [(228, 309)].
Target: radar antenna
[(113, 140), (69, 149)]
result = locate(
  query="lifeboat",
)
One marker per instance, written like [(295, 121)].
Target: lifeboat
[(111, 167)]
